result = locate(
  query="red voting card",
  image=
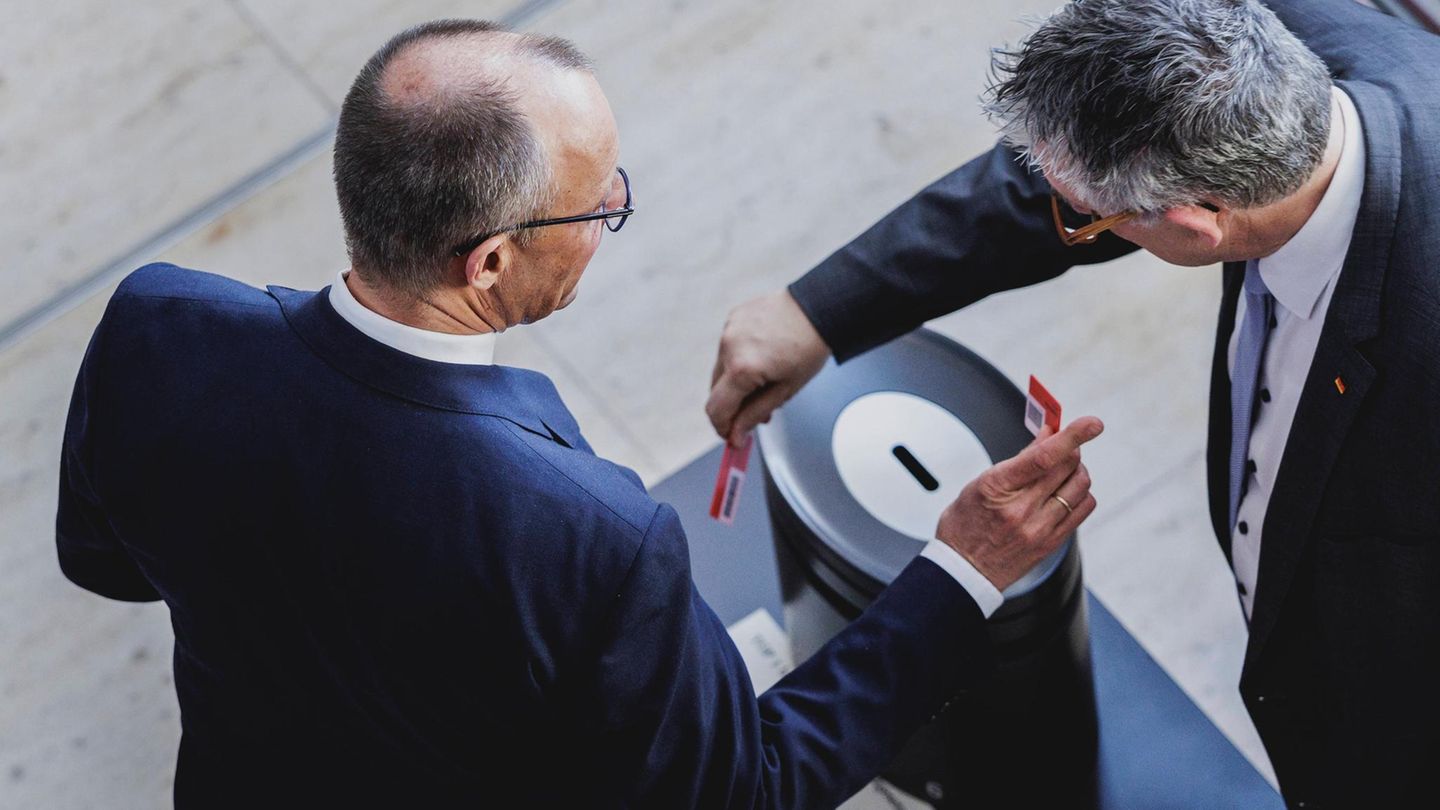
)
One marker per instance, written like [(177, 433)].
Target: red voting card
[(727, 483), (1041, 408)]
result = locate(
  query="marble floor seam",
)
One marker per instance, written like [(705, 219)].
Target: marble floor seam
[(16, 331), (286, 58), (27, 323)]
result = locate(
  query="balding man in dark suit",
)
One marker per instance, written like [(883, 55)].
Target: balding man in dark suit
[(398, 575)]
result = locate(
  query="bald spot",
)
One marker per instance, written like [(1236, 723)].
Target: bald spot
[(566, 107)]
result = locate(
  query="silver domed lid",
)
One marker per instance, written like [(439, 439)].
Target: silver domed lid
[(869, 453)]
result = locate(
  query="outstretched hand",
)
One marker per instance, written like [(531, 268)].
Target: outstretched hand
[(1017, 512), (768, 351)]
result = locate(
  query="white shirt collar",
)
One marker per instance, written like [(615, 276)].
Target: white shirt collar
[(1298, 273), (476, 350)]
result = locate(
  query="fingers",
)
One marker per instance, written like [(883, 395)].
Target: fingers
[(768, 350), (1082, 512), (1074, 491), (1054, 478), (1052, 456), (756, 409), (1078, 433), (1072, 521), (727, 396), (1049, 526)]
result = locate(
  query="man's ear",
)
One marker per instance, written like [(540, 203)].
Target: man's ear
[(491, 258), (1199, 220)]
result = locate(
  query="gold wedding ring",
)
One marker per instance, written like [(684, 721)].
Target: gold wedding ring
[(1064, 503)]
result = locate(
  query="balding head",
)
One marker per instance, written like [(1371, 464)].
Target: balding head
[(444, 61), (442, 136)]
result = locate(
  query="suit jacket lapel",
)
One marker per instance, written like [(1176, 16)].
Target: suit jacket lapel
[(1327, 407)]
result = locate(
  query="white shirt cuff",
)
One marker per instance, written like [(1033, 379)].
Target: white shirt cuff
[(982, 590)]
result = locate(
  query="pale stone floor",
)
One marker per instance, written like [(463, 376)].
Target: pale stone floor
[(761, 136)]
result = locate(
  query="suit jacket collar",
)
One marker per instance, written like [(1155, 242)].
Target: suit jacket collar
[(1326, 412), (472, 349), (525, 398)]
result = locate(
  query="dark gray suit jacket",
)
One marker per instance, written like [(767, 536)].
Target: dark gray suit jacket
[(1342, 672)]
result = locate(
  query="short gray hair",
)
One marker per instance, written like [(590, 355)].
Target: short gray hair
[(1145, 105), (417, 177)]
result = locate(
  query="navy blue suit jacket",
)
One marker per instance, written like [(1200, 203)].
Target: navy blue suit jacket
[(1344, 651), (402, 583)]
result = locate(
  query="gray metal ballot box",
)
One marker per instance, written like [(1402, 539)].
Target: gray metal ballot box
[(858, 467)]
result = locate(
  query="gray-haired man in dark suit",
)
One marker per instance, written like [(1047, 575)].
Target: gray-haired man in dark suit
[(1205, 131)]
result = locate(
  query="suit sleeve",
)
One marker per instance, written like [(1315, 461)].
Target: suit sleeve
[(677, 724), (90, 554), (984, 228)]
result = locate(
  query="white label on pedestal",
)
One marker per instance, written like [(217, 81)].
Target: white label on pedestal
[(765, 648)]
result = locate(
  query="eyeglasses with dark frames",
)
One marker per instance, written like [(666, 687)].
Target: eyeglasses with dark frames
[(614, 218)]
